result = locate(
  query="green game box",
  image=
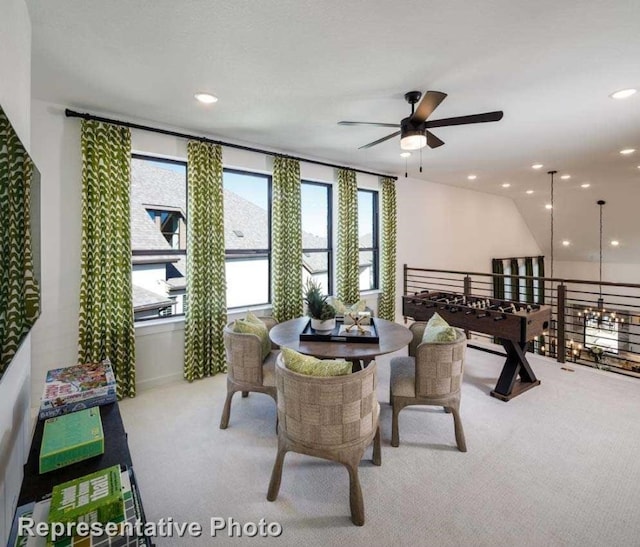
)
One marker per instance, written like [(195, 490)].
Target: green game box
[(71, 438), (93, 498)]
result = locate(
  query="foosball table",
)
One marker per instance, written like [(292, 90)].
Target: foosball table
[(515, 324)]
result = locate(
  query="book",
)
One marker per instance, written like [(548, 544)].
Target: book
[(96, 497), (78, 405), (71, 438), (131, 513), (66, 387)]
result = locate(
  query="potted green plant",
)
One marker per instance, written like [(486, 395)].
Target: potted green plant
[(322, 314)]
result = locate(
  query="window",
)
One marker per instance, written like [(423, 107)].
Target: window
[(247, 236), (158, 236), (316, 234), (368, 238)]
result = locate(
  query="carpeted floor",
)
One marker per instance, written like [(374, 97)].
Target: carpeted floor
[(559, 465)]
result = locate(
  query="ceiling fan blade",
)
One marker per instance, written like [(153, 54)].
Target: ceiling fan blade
[(462, 120), (380, 140), (427, 105), (433, 141), (370, 123)]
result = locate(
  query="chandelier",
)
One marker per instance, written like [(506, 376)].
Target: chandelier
[(599, 315)]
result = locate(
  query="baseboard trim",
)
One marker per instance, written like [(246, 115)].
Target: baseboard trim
[(144, 385)]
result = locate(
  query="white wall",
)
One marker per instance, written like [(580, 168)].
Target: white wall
[(438, 226), (614, 272), (15, 425), (450, 228)]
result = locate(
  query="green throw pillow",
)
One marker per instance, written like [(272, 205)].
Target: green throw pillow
[(439, 334), (438, 330), (312, 366), (436, 321), (246, 326), (344, 309), (252, 318)]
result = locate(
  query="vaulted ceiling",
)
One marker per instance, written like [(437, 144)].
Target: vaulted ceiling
[(286, 71)]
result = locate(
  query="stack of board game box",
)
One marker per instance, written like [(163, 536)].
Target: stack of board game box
[(76, 388), (46, 511)]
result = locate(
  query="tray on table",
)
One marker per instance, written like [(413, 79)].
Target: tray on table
[(339, 334)]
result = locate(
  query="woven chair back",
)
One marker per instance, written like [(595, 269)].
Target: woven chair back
[(325, 412), (439, 367), (244, 356)]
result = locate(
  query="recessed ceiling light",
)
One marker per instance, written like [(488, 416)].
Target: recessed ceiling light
[(585, 185), (623, 93), (506, 185), (565, 177), (615, 242), (405, 154), (627, 151), (472, 177), (206, 98), (548, 206), (566, 242), (529, 191), (537, 166)]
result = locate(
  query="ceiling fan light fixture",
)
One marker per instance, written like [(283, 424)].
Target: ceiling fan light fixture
[(413, 140)]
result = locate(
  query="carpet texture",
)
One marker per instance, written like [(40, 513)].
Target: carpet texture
[(559, 465)]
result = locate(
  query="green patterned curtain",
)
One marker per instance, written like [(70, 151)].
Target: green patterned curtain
[(19, 292), (541, 296), (515, 280), (498, 282), (348, 254), (528, 270), (206, 313), (286, 265), (387, 302), (106, 308)]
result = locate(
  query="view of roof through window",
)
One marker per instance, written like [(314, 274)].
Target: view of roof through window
[(159, 223)]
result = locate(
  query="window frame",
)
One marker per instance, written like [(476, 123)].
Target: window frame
[(165, 252), (375, 249), (329, 248), (254, 254)]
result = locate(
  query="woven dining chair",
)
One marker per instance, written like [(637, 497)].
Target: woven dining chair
[(431, 375), (335, 418), (246, 370)]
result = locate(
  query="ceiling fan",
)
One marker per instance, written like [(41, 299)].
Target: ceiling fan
[(414, 129)]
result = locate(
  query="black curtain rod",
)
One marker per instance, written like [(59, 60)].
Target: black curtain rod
[(85, 116)]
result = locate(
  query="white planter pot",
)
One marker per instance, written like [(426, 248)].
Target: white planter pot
[(326, 325)]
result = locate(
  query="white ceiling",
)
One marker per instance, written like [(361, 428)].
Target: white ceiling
[(286, 71)]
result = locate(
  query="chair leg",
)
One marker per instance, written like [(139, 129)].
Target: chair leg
[(226, 411), (377, 459), (447, 409), (245, 394), (355, 495), (395, 434), (457, 423), (276, 474)]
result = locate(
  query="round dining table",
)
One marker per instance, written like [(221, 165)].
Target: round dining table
[(392, 338)]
